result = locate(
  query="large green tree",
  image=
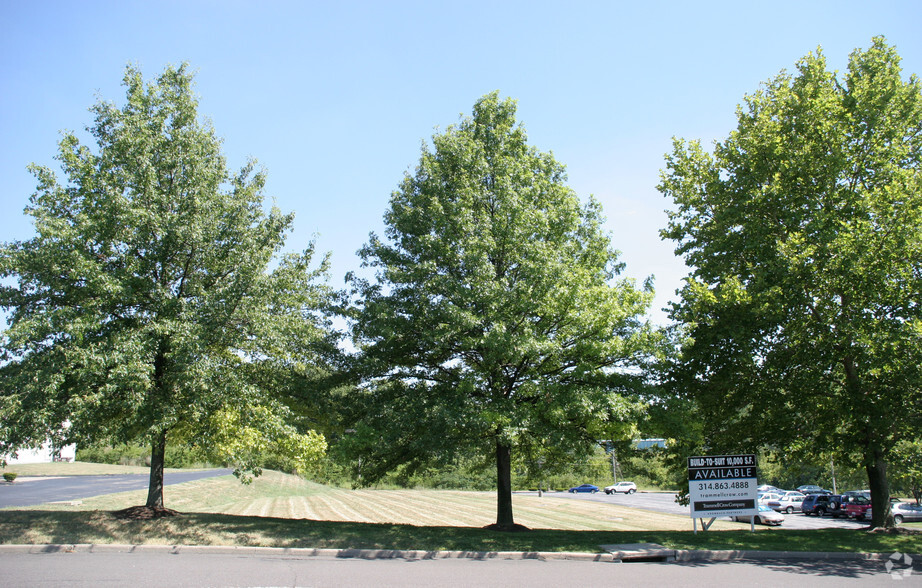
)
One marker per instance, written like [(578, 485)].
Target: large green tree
[(144, 307), (907, 461), (803, 230), (496, 320)]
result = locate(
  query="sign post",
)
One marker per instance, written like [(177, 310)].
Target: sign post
[(721, 486)]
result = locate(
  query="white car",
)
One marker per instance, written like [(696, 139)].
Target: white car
[(768, 497), (626, 487), (766, 516)]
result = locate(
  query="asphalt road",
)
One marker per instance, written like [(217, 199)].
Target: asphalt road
[(143, 568), (32, 491), (665, 502)]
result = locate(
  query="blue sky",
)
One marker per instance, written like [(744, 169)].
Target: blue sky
[(335, 99)]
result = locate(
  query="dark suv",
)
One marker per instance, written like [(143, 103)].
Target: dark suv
[(822, 504)]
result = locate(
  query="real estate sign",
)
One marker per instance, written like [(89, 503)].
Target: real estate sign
[(722, 485)]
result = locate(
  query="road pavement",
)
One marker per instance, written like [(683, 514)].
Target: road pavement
[(163, 566), (39, 490)]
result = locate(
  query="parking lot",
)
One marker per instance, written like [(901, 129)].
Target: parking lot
[(665, 502)]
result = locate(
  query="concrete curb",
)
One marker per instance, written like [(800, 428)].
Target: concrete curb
[(705, 555), (643, 555), (651, 553)]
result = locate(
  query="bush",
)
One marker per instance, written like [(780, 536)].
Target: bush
[(178, 456), (9, 476), (115, 455)]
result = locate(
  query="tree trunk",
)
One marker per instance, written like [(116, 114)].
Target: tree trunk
[(876, 467), (874, 463), (504, 486), (158, 443), (155, 488)]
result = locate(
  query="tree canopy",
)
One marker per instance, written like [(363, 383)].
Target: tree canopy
[(496, 320), (803, 230), (153, 298)]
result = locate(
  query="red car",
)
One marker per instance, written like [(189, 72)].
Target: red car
[(856, 507)]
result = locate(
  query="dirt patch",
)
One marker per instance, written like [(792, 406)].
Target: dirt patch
[(895, 531), (508, 528), (144, 513)]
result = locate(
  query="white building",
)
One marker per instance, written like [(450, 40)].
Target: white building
[(45, 454)]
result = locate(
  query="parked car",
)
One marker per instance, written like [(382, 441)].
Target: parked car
[(789, 502), (865, 493), (769, 496), (906, 511), (896, 509), (626, 487), (856, 506), (768, 488), (837, 508), (585, 488), (812, 489), (766, 516), (822, 504)]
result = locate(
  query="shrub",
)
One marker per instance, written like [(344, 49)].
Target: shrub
[(9, 476), (177, 456)]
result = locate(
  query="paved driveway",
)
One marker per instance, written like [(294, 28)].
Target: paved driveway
[(32, 491)]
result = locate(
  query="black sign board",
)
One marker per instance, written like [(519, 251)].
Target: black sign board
[(722, 485)]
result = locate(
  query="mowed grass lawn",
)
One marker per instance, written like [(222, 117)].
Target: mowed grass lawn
[(277, 495), (280, 510)]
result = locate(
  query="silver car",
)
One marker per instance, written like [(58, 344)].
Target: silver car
[(905, 511), (789, 502)]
